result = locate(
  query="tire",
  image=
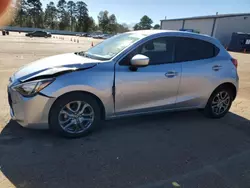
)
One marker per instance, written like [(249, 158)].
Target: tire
[(211, 105), (73, 131)]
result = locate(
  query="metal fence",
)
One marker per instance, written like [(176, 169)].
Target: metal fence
[(28, 29)]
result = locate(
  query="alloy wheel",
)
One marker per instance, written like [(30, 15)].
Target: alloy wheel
[(220, 103), (76, 117)]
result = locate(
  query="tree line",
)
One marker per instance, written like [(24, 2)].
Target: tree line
[(65, 15), (71, 16)]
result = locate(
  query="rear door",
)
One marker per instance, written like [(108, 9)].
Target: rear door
[(149, 88), (200, 70)]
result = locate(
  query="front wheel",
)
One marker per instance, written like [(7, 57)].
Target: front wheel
[(75, 115), (219, 103)]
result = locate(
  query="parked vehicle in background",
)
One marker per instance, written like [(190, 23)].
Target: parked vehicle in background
[(89, 35), (39, 34), (133, 73), (97, 36), (81, 35), (102, 36), (240, 42), (106, 36)]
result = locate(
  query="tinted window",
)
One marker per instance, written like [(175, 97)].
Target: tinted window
[(37, 33), (40, 33), (188, 49), (159, 51)]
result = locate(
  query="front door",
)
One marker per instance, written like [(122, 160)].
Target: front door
[(149, 88)]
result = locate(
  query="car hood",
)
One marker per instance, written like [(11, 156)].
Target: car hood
[(53, 65)]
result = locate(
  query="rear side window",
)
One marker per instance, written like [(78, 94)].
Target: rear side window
[(189, 49)]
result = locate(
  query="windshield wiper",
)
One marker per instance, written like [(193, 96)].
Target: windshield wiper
[(84, 54)]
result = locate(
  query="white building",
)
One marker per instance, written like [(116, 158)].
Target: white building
[(219, 26)]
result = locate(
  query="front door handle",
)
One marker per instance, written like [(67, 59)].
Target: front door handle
[(216, 67), (171, 74)]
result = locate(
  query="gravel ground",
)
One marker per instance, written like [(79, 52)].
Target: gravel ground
[(147, 151)]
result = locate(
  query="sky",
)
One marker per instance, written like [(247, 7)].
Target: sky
[(130, 11)]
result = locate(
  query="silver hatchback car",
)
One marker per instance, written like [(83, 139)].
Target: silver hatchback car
[(133, 73)]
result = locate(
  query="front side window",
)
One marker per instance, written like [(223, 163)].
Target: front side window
[(114, 45), (189, 49), (159, 51)]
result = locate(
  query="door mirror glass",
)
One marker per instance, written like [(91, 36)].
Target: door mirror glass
[(139, 61)]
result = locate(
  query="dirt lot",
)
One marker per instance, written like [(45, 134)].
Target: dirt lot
[(148, 151)]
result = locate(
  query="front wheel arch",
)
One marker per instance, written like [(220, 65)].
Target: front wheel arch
[(103, 112)]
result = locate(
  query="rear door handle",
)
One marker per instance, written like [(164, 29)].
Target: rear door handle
[(216, 67), (171, 74)]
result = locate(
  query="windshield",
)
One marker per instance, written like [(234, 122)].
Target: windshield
[(112, 46)]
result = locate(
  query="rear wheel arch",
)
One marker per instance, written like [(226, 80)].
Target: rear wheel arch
[(100, 103), (213, 107), (229, 86)]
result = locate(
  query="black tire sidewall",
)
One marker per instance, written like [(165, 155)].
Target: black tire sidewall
[(61, 102), (208, 109)]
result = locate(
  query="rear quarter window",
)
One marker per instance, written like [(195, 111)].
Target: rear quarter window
[(189, 49)]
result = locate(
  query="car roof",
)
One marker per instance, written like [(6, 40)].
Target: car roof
[(177, 34), (152, 32), (148, 32)]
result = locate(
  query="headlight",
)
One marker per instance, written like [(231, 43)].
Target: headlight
[(29, 89)]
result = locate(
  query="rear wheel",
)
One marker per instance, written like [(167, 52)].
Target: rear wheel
[(75, 115), (219, 103)]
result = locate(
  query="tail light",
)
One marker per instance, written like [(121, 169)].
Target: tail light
[(235, 62)]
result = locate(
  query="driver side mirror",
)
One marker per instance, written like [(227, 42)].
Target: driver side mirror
[(138, 61)]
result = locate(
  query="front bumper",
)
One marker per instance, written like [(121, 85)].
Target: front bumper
[(32, 112)]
